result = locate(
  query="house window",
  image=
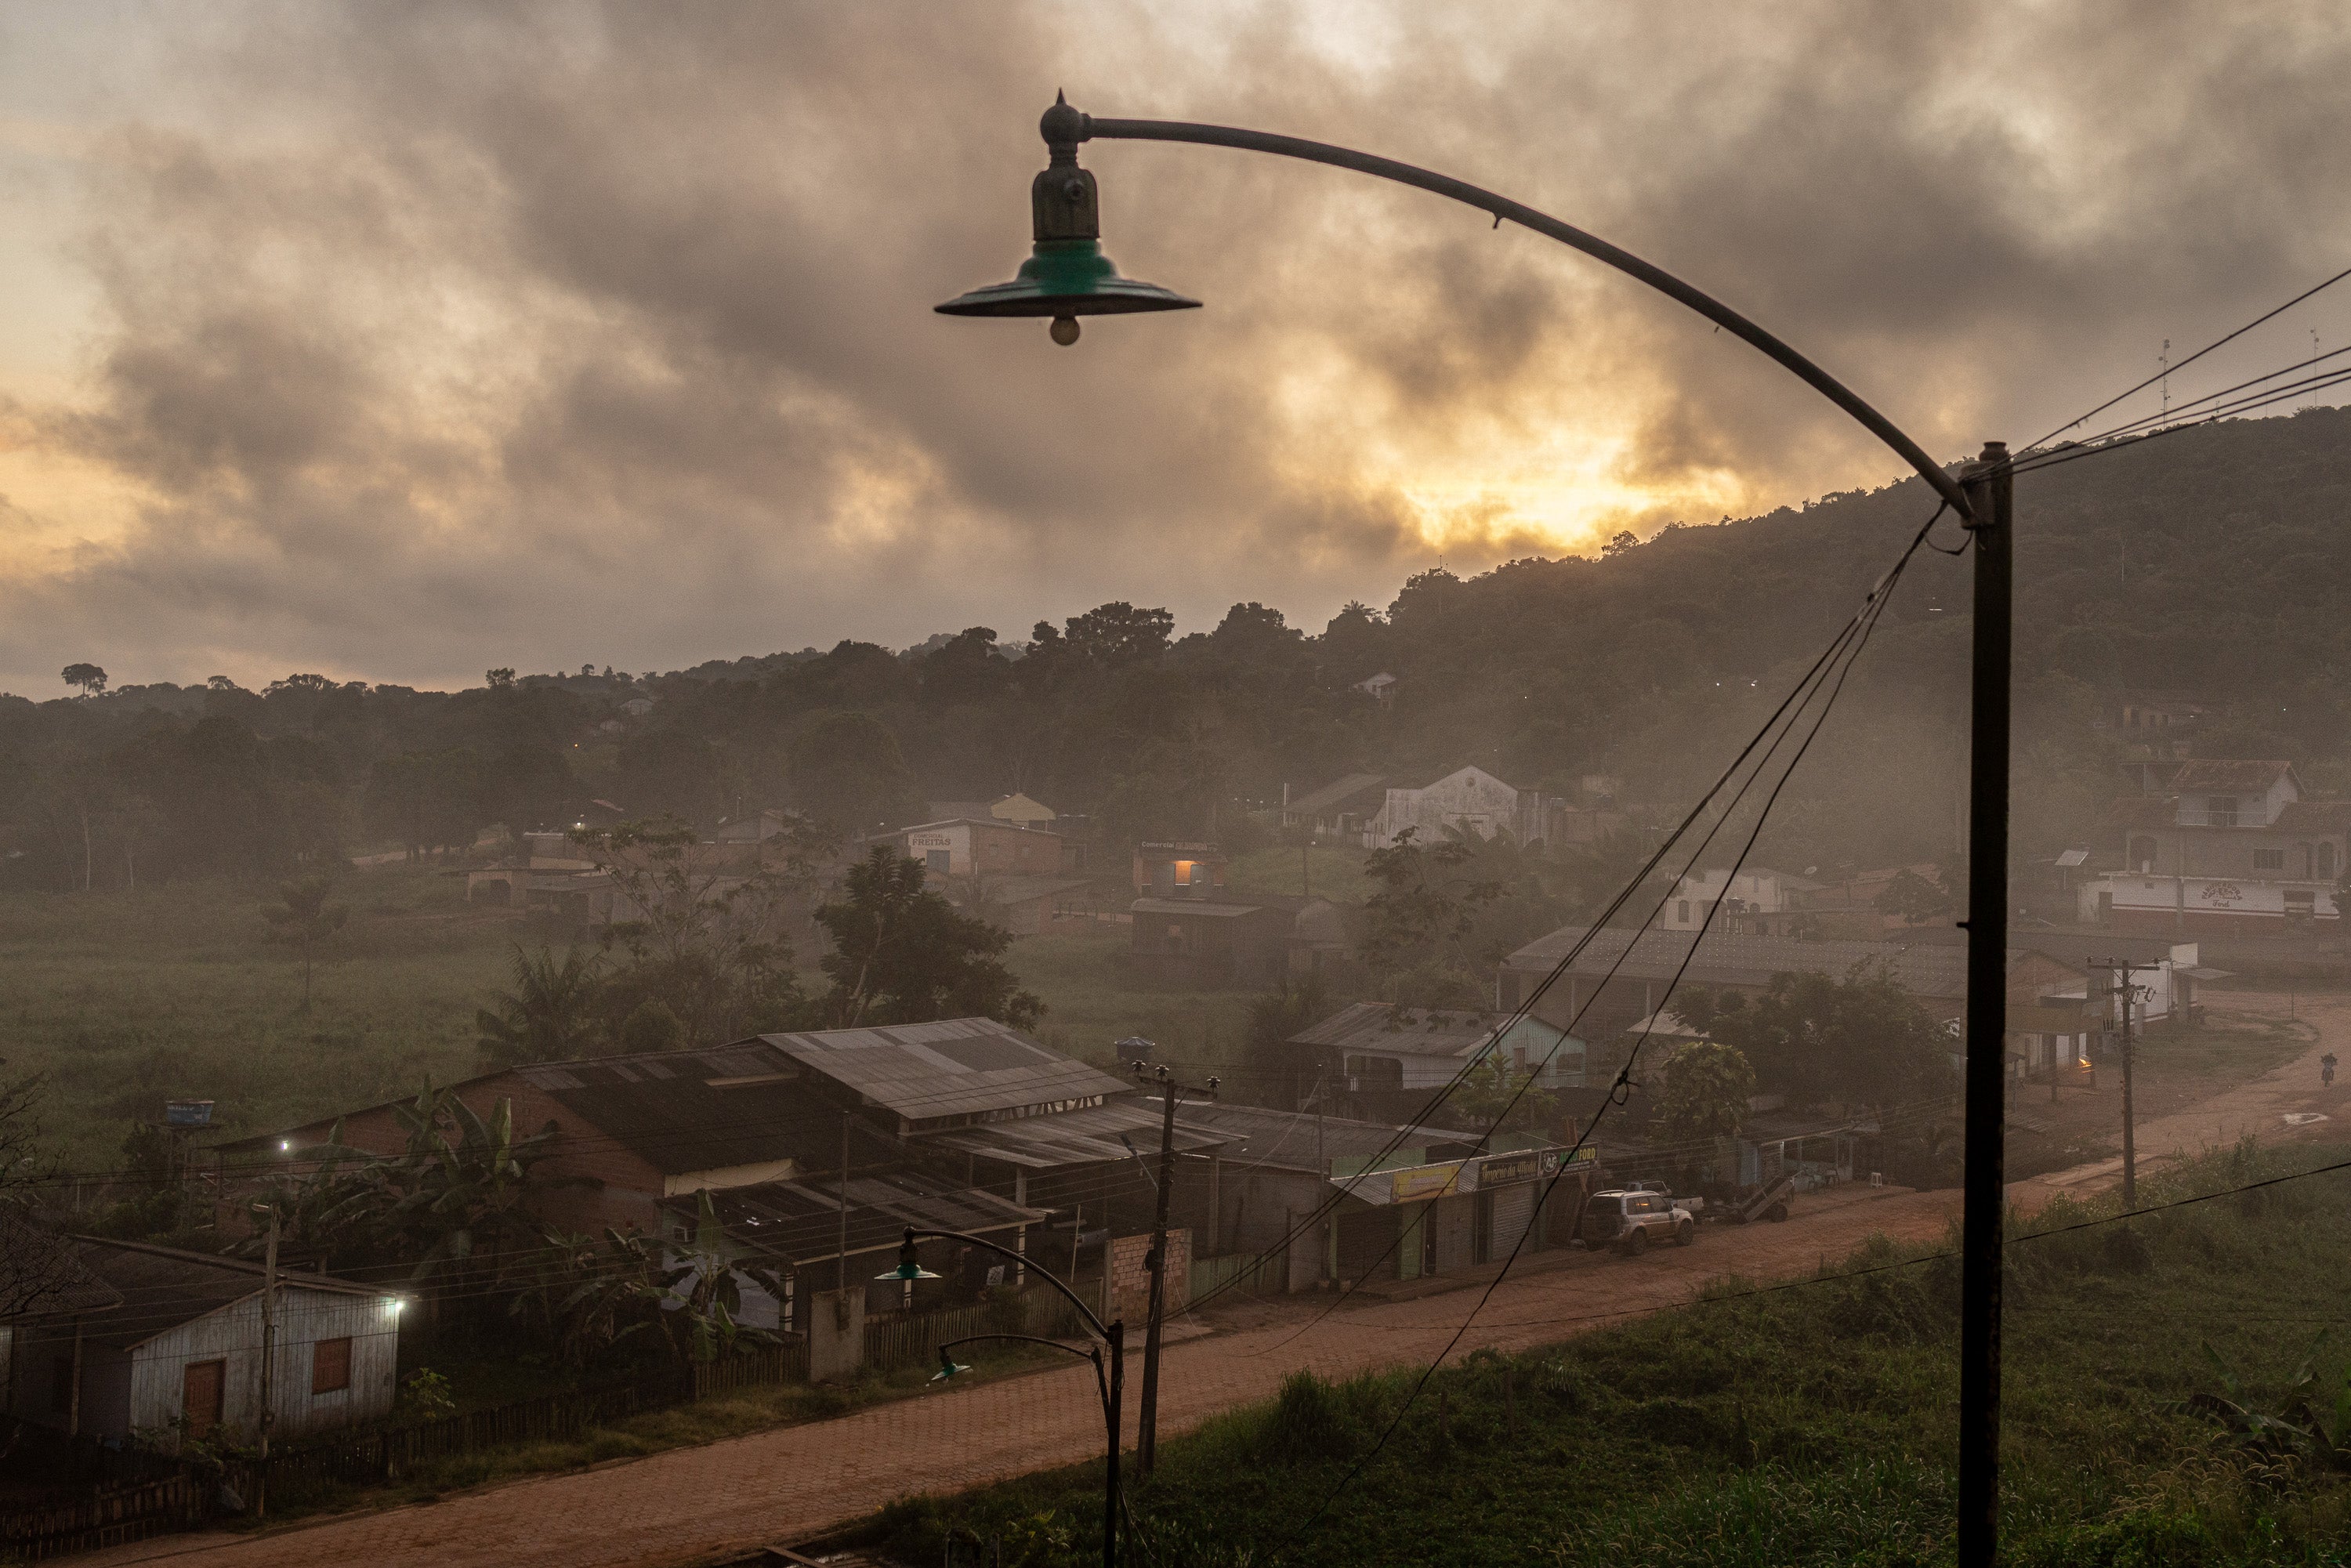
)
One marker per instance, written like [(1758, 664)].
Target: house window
[(935, 860), (2269, 860), (2219, 810), (330, 1366), (1681, 912)]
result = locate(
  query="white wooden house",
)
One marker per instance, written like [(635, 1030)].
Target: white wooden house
[(1470, 799), (181, 1347)]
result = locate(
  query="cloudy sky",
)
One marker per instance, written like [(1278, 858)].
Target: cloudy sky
[(397, 341)]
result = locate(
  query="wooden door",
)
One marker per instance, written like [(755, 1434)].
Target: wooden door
[(202, 1387)]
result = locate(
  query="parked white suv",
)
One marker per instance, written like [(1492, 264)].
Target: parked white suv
[(1630, 1221)]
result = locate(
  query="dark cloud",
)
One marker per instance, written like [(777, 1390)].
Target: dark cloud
[(442, 337)]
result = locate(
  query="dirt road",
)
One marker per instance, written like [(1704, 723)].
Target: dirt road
[(2257, 1108), (691, 1504)]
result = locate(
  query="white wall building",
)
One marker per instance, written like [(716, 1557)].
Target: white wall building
[(182, 1344), (1470, 799)]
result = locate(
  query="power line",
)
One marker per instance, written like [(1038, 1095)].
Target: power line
[(2191, 358), (1867, 622)]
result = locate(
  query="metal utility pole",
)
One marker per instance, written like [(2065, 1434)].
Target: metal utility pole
[(1991, 488), (2125, 991), (1146, 1420), (840, 1262)]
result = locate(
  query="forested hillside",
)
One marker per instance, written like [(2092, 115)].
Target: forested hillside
[(2215, 563)]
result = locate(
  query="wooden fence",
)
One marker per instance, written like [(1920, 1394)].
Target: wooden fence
[(81, 1520), (901, 1341), (1241, 1273), (105, 1516)]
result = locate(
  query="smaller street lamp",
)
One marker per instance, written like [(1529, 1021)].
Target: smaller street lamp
[(1108, 1354), (909, 1264)]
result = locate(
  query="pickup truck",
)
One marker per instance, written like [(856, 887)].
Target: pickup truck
[(1629, 1221)]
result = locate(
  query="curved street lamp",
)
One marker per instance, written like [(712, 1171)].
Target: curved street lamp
[(1066, 277), (1108, 1354)]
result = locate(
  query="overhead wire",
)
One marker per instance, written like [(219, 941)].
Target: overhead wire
[(1867, 620), (2169, 370), (1796, 696)]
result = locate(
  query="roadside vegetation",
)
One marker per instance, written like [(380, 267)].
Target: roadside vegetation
[(2152, 1416)]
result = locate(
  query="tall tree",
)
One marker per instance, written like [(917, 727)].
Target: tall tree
[(304, 917), (1701, 1094), (550, 1015), (903, 953)]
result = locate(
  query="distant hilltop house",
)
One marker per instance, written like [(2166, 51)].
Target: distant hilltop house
[(1470, 799), (2225, 846), (638, 706), (1756, 902), (1340, 809), (1379, 688), (2163, 723)]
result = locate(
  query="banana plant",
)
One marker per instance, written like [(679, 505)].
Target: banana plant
[(2297, 1427)]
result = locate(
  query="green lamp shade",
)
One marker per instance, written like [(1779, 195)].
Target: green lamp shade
[(1067, 278), (909, 1263)]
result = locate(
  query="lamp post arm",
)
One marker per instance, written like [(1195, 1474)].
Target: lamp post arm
[(1599, 249), (1101, 1385), (1028, 1263)]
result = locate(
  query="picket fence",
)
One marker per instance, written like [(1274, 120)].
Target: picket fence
[(903, 1339)]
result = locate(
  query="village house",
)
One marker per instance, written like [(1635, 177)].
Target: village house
[(976, 846), (1379, 688), (1469, 799), (2222, 846), (1615, 978), (155, 1339), (1757, 902), (1023, 906), (1384, 1063), (1338, 809)]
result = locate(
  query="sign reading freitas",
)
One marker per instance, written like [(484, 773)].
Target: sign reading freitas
[(1417, 1184)]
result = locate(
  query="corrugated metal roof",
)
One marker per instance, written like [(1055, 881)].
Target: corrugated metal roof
[(698, 1110), (162, 1287), (1266, 1137), (1084, 1138), (1209, 909), (2234, 776), (801, 1222), (1338, 791), (957, 1067)]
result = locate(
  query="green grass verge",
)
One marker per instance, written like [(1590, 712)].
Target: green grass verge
[(1811, 1425), (2227, 1045)]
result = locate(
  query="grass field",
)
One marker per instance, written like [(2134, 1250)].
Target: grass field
[(1809, 1425), (171, 992), (128, 999)]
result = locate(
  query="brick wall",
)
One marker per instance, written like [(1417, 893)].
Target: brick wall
[(1130, 1279)]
